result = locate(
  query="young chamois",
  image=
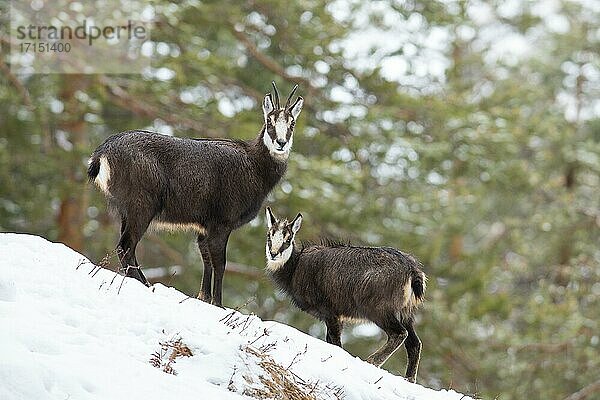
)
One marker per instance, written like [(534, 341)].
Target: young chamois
[(338, 282), (209, 186)]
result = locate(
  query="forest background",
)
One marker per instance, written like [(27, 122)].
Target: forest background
[(464, 132)]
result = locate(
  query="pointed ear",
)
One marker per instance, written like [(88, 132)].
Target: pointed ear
[(297, 107), (267, 105), (296, 223), (271, 220)]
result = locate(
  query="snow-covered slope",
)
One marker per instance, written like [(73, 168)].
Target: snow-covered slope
[(65, 334)]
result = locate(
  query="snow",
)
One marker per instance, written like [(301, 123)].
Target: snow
[(69, 335)]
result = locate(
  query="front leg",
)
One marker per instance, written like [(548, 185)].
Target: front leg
[(218, 250), (205, 292), (334, 331)]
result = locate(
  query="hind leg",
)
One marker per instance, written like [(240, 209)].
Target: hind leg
[(334, 331), (131, 233), (134, 270), (124, 246), (218, 247), (396, 334), (413, 350), (205, 293)]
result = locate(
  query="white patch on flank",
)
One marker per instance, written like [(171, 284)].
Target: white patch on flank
[(173, 227), (354, 320), (103, 175)]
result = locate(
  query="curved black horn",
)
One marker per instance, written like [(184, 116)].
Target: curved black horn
[(287, 103), (277, 105)]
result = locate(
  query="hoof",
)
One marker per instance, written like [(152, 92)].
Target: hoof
[(411, 379), (218, 305), (372, 361), (136, 273), (204, 299)]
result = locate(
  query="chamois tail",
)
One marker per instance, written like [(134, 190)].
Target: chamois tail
[(418, 285), (93, 168)]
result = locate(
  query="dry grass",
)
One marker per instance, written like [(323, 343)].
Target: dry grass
[(169, 352), (272, 381), (280, 383), (107, 264)]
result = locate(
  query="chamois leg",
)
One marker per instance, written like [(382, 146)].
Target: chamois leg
[(396, 334), (125, 242), (413, 350), (124, 247), (218, 246), (130, 236), (334, 331), (205, 293)]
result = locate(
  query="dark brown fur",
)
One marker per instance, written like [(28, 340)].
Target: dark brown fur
[(336, 282), (213, 185)]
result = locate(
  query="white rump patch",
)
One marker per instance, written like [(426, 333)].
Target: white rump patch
[(174, 227), (409, 301), (103, 175)]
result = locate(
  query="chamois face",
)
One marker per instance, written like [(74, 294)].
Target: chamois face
[(279, 125), (280, 239)]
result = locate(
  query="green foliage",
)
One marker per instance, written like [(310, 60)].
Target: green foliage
[(490, 174)]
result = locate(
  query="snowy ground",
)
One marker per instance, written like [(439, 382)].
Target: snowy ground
[(67, 335)]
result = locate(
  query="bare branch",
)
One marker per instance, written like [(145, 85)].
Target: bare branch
[(267, 61), (23, 92), (546, 347), (138, 107), (585, 392)]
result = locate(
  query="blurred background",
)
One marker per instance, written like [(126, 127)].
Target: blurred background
[(464, 132)]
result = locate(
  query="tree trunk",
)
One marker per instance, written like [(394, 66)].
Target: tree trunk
[(73, 205)]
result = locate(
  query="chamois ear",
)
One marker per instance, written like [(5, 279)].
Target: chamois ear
[(296, 223), (271, 220), (297, 107), (267, 105)]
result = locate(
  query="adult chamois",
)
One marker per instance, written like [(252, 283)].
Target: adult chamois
[(209, 186), (337, 282)]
